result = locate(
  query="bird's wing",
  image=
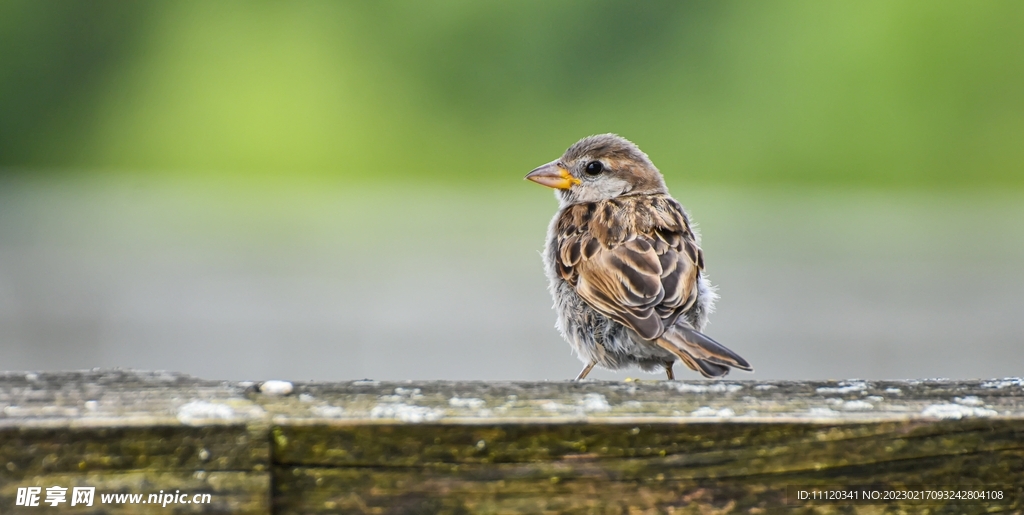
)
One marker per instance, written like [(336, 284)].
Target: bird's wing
[(633, 259)]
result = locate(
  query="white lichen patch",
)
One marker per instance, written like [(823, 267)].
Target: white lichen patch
[(707, 411), (763, 387), (857, 406), (823, 412), (402, 394), (197, 412), (588, 403), (406, 413), (551, 406), (702, 388), (955, 411), (858, 386), (970, 400), (466, 402), (1006, 382), (595, 402), (328, 411), (895, 391), (585, 404)]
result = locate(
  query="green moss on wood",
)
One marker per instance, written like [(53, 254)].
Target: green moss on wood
[(467, 447)]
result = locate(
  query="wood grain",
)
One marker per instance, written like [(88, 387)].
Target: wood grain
[(474, 447)]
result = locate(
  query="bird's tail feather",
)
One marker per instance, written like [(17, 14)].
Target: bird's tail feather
[(699, 352)]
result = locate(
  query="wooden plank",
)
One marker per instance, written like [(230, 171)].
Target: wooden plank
[(229, 492), (682, 447), (133, 433), (844, 402), (649, 487), (474, 447)]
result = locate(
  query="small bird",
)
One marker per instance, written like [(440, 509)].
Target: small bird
[(624, 266)]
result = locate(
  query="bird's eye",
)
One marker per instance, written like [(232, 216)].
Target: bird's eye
[(594, 168)]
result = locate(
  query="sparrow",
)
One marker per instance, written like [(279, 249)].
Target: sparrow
[(624, 264)]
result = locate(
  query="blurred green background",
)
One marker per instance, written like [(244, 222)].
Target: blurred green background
[(333, 190)]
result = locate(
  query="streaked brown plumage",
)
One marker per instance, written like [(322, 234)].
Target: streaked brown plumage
[(625, 266)]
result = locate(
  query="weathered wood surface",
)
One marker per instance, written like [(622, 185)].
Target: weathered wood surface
[(128, 432), (472, 447)]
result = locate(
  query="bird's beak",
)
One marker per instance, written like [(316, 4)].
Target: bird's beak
[(552, 175)]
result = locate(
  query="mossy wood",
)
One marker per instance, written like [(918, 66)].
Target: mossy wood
[(474, 447)]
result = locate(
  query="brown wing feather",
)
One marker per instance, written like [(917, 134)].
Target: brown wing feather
[(633, 259)]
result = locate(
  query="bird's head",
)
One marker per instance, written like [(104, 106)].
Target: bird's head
[(598, 168)]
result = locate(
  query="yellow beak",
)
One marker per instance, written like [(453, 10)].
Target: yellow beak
[(552, 175)]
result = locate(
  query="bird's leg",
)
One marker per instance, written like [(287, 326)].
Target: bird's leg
[(586, 370), (668, 370)]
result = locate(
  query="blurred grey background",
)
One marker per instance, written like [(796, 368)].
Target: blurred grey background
[(332, 191)]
